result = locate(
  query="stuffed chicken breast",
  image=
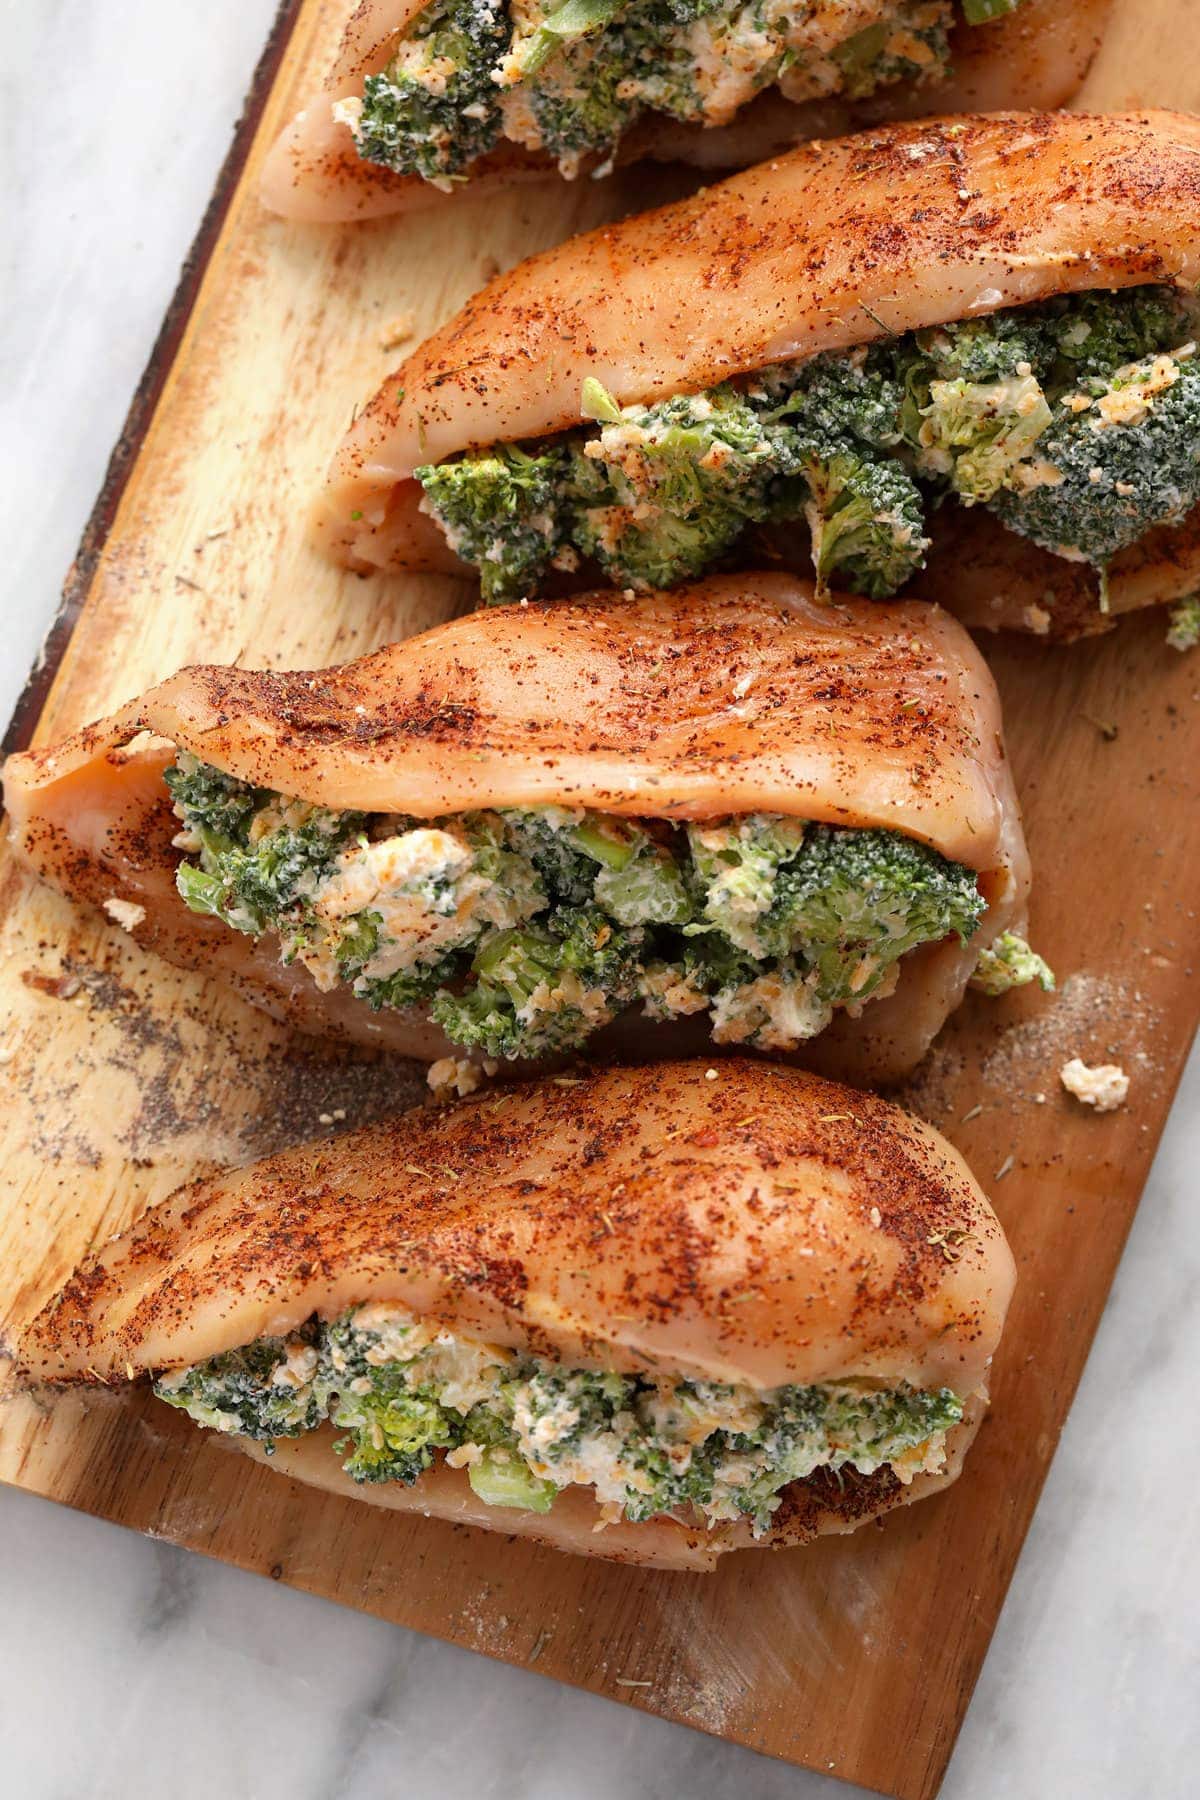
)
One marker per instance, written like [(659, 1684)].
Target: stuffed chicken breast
[(966, 346), (650, 1314), (425, 98), (734, 811)]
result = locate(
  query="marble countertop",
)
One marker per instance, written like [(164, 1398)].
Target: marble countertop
[(129, 1668)]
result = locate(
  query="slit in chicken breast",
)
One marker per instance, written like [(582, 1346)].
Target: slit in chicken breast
[(454, 95), (735, 811), (970, 343), (654, 1314)]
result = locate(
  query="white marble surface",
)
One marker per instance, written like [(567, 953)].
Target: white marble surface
[(129, 1669)]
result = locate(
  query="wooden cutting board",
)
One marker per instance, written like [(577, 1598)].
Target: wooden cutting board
[(122, 1077)]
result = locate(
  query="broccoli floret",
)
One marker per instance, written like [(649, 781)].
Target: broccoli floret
[(579, 857), (857, 396), (1095, 333), (535, 42), (582, 103), (216, 806), (434, 109), (1010, 963), (656, 552), (265, 1390), (502, 1477), (1120, 456), (251, 878), (662, 491), (881, 54), (988, 349), (684, 453), (392, 1419), (854, 901), (581, 1402), (736, 869), (780, 1007), (862, 1427), (672, 47), (500, 509), (403, 987), (1184, 632), (867, 520), (545, 988), (975, 433), (648, 890), (545, 837), (1061, 340), (391, 1431), (287, 864)]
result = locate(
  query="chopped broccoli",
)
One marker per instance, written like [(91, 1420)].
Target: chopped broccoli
[(434, 109), (880, 54), (216, 806), (526, 1427), (500, 509), (990, 348), (582, 102), (1121, 455), (249, 877), (975, 433), (543, 989), (527, 929), (1010, 963), (569, 78), (867, 521), (736, 867), (881, 1423), (858, 396), (391, 1415), (546, 837), (659, 494), (392, 1432), (853, 901), (649, 890), (595, 856), (1184, 632), (685, 453), (502, 1477), (662, 491), (1094, 333), (537, 39), (263, 1391), (407, 986)]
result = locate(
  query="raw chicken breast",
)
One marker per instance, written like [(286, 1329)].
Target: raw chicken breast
[(1036, 56), (763, 1228), (742, 694)]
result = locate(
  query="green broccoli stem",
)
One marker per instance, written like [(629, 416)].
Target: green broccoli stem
[(980, 12), (571, 20)]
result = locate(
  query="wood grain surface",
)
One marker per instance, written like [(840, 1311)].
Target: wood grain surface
[(121, 1077)]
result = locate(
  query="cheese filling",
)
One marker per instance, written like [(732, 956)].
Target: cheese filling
[(567, 78), (403, 1391), (526, 931), (1076, 421)]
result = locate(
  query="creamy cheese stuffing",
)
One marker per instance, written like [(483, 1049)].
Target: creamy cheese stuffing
[(524, 932), (405, 1389), (568, 80)]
